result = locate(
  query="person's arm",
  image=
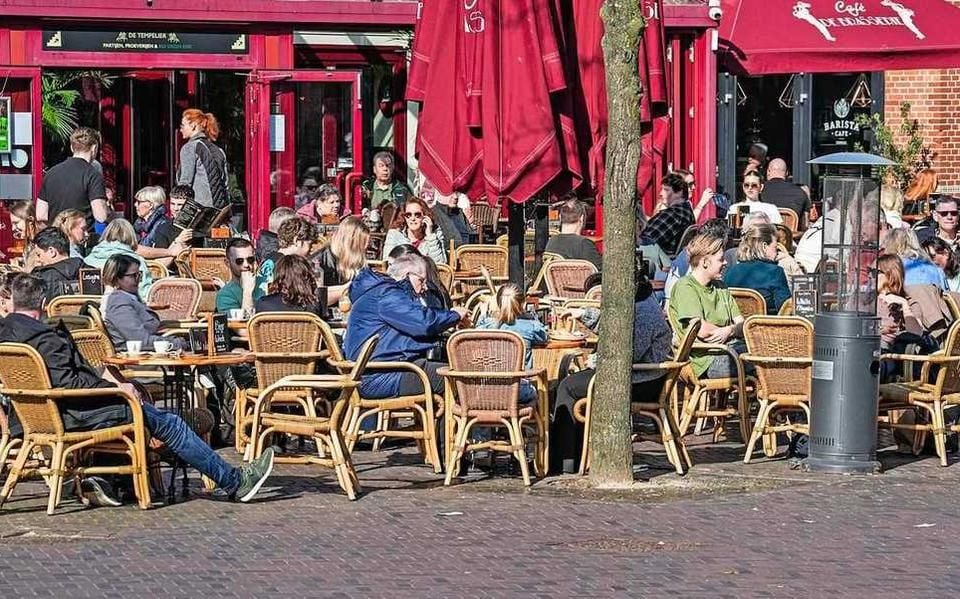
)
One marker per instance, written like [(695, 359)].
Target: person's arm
[(413, 318), (434, 247), (188, 163), (248, 286), (591, 253), (100, 211), (42, 211), (705, 198), (781, 291)]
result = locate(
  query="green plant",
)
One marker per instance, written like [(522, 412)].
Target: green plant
[(60, 91), (907, 149)]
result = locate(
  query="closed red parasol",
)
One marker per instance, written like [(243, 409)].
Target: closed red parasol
[(654, 111), (792, 36)]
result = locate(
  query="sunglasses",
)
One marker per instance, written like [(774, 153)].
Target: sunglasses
[(413, 214), (138, 275), (311, 187), (248, 260), (751, 186), (947, 212)]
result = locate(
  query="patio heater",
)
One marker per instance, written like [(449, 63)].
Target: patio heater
[(843, 404)]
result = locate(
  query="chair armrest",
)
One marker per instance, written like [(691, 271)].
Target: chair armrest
[(311, 381), (776, 360), (931, 359), (660, 366), (319, 355), (478, 374)]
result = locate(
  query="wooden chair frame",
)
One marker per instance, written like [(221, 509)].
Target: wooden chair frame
[(70, 305), (558, 285)]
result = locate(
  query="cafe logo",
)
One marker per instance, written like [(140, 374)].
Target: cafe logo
[(841, 108), (853, 14), (473, 19)]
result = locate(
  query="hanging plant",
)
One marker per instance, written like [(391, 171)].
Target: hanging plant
[(60, 92)]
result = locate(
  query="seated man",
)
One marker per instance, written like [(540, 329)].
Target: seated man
[(58, 271), (241, 291), (267, 241), (168, 240), (69, 370), (388, 306), (666, 228), (569, 243), (382, 187)]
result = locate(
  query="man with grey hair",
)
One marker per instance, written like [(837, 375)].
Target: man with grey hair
[(389, 306), (267, 242), (382, 187)]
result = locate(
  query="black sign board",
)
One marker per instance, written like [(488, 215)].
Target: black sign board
[(805, 295), (220, 334), (90, 282), (198, 340), (145, 41)]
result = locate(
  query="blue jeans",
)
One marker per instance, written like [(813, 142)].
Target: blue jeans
[(185, 444)]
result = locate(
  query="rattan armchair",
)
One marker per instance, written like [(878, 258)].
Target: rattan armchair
[(326, 431), (749, 301), (791, 219), (786, 308), (567, 278), (418, 409), (181, 295), (485, 217), (157, 270), (470, 257), (538, 281), (71, 305), (25, 381), (284, 344), (482, 388), (930, 399), (704, 398), (662, 411), (781, 350)]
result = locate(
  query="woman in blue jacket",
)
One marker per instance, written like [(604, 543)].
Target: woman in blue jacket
[(757, 268)]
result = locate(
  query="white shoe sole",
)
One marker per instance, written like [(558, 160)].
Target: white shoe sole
[(250, 494)]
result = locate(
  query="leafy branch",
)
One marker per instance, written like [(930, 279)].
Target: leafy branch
[(911, 154)]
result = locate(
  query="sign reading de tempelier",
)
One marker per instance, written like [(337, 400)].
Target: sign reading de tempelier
[(145, 41)]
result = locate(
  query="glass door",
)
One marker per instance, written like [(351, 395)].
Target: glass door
[(309, 131)]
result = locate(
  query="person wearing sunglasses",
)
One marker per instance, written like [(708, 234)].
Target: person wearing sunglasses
[(752, 186), (414, 225), (126, 316), (942, 223), (241, 291)]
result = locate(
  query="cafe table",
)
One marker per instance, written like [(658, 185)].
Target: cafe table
[(179, 370)]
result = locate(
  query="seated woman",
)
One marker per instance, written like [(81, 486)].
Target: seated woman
[(509, 316), (756, 267), (125, 315), (435, 295), (651, 345), (343, 257), (324, 208), (73, 224), (946, 258), (414, 225), (292, 288), (898, 325), (700, 295), (119, 238), (917, 267)]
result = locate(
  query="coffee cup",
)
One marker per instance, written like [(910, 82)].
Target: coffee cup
[(237, 314), (134, 347), (163, 347)]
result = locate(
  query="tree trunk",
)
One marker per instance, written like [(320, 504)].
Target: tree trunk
[(611, 454)]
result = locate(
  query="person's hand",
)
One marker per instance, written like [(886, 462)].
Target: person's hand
[(889, 329), (218, 283), (129, 388), (248, 281), (719, 335), (427, 225), (460, 310), (184, 237), (706, 197)]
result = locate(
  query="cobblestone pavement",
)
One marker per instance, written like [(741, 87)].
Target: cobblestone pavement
[(725, 530)]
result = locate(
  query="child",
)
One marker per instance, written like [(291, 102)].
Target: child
[(508, 316)]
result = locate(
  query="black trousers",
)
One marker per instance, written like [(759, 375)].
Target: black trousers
[(410, 383), (566, 434)]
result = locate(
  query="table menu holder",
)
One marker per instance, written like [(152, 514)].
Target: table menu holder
[(90, 282), (218, 335)]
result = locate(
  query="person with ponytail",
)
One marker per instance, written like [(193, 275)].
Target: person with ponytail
[(508, 315), (203, 164)]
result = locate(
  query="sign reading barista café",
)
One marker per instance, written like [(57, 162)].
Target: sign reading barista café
[(145, 41), (855, 14)]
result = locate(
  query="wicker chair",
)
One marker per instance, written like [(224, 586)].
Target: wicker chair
[(204, 264), (26, 382), (472, 257), (781, 349), (699, 392), (94, 346), (7, 442), (325, 431), (952, 299), (662, 411), (420, 408), (284, 344), (923, 397), (478, 304), (70, 305), (595, 293), (786, 309), (157, 271), (180, 294), (483, 388), (567, 278), (445, 273), (686, 236), (749, 302), (485, 218), (70, 322), (791, 219), (538, 281)]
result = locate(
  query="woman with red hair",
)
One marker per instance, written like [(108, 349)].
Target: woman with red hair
[(203, 164)]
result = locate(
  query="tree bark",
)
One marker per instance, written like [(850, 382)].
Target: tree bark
[(611, 452)]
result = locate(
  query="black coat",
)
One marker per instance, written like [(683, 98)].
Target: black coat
[(61, 278), (67, 369)]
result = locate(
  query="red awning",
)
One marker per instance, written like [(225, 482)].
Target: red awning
[(792, 36)]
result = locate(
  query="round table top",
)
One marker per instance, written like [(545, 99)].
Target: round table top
[(185, 359)]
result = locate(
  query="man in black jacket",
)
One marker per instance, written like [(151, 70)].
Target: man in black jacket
[(784, 194), (60, 273), (68, 369)]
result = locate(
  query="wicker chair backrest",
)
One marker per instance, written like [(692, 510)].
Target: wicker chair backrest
[(22, 369), (484, 351)]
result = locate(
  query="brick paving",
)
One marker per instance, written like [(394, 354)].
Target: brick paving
[(725, 530)]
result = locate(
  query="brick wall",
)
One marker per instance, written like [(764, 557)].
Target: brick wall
[(934, 97)]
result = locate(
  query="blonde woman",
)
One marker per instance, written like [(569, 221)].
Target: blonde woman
[(343, 257), (918, 269), (757, 267), (120, 238), (507, 314), (73, 224)]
